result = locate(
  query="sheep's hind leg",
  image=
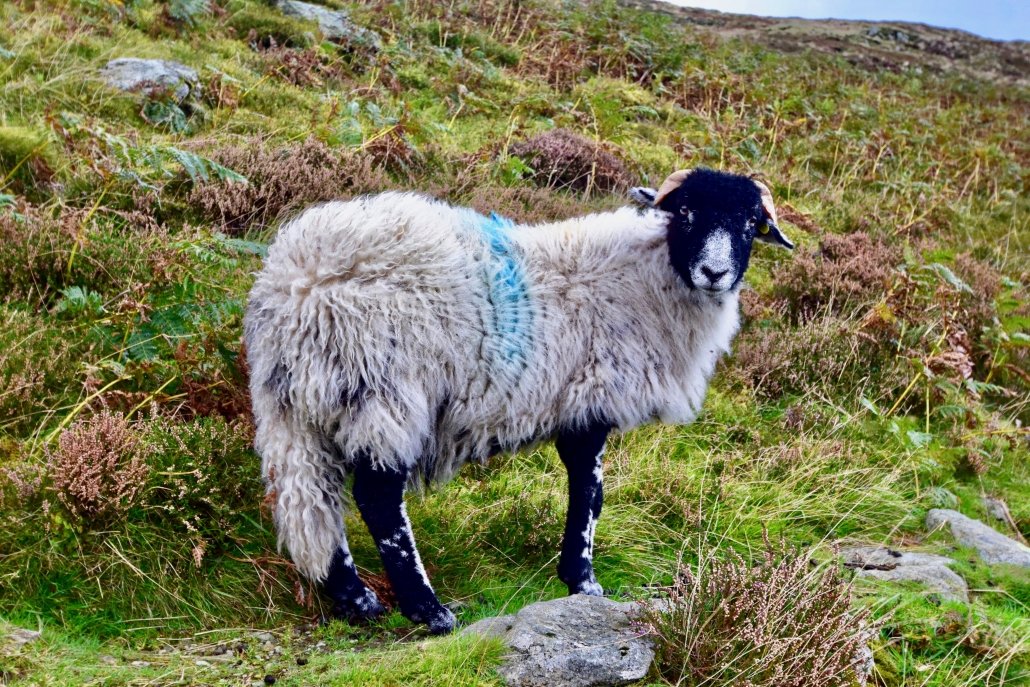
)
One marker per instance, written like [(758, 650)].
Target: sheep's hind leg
[(581, 451), (352, 600), (379, 494)]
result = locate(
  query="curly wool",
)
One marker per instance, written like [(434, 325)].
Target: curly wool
[(403, 331)]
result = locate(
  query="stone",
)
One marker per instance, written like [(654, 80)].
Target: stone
[(881, 563), (996, 508), (491, 627), (575, 641), (864, 662), (149, 76), (993, 546), (17, 637), (335, 25), (999, 510)]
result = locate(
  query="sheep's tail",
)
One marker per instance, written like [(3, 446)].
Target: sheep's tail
[(304, 480)]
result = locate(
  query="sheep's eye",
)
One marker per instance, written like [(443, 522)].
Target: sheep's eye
[(684, 210)]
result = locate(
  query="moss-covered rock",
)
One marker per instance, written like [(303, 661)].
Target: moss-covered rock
[(264, 26)]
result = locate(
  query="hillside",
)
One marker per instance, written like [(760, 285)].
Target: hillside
[(870, 45), (882, 370)]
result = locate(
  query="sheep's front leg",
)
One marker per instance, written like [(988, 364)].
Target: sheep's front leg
[(581, 451), (379, 495)]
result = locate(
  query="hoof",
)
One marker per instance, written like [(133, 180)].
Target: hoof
[(440, 620), (361, 608), (590, 588), (442, 623)]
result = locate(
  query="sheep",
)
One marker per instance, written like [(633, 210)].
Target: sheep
[(394, 338)]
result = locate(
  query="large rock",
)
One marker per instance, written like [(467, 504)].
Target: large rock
[(576, 641), (334, 24), (993, 546), (880, 563), (150, 76)]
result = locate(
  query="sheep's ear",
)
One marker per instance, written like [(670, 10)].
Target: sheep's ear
[(643, 195), (769, 232), (671, 184)]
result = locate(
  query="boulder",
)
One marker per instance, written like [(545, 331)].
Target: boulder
[(151, 76), (14, 638), (575, 641), (993, 546), (881, 563), (335, 25)]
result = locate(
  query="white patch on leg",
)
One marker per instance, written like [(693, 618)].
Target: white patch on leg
[(411, 540), (591, 528)]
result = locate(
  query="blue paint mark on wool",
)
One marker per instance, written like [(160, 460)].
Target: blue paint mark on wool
[(512, 321)]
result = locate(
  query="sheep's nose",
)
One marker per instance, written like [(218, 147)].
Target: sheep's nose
[(712, 275)]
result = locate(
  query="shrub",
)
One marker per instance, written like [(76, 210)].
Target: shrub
[(821, 354), (844, 273), (281, 179), (204, 477), (563, 159), (302, 68), (20, 483), (99, 469), (38, 369), (44, 252), (473, 43), (778, 624)]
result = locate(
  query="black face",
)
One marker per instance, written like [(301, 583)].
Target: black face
[(714, 219)]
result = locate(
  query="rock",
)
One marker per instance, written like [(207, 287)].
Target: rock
[(864, 663), (881, 563), (993, 546), (999, 510), (491, 627), (334, 24), (17, 637), (996, 508), (575, 641), (150, 76)]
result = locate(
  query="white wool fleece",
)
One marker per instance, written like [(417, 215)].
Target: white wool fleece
[(404, 331)]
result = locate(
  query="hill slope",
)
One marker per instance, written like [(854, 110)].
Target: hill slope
[(871, 45), (882, 370)]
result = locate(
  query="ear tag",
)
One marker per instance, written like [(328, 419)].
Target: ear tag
[(764, 229)]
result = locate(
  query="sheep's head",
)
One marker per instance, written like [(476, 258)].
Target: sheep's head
[(714, 218)]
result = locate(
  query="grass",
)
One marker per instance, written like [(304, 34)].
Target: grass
[(849, 409)]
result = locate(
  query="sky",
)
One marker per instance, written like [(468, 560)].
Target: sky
[(1002, 19)]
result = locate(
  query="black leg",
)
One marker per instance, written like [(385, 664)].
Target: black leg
[(379, 494), (352, 600), (581, 451)]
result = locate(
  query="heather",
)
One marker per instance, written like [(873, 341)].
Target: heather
[(882, 368)]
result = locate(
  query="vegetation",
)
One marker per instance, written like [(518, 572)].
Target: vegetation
[(882, 370)]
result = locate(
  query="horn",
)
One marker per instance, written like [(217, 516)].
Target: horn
[(671, 184), (767, 200)]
